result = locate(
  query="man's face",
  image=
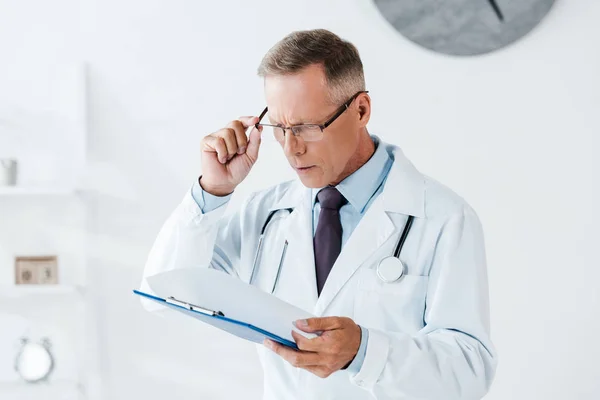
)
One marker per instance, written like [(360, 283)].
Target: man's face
[(303, 98)]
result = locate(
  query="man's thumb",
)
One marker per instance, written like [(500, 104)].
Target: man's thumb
[(254, 143), (315, 325)]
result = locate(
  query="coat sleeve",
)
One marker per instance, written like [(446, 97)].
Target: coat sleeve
[(192, 239), (452, 357)]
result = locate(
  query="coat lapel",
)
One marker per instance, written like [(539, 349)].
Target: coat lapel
[(299, 259), (371, 232)]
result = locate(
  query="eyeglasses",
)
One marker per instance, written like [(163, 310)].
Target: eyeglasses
[(308, 132)]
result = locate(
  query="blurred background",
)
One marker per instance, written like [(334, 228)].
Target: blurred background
[(102, 108)]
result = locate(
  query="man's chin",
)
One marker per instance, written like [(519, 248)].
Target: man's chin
[(312, 182)]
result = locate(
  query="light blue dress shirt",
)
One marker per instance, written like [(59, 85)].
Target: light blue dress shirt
[(360, 189)]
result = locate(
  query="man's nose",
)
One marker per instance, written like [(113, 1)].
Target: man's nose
[(292, 145)]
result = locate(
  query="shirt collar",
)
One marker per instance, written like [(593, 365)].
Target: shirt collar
[(359, 187)]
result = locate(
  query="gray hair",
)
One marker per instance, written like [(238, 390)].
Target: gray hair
[(339, 58)]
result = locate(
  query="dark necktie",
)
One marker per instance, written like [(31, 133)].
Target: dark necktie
[(328, 236)]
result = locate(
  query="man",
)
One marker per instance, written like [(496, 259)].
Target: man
[(422, 336)]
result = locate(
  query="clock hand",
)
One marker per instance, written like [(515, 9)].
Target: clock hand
[(497, 10)]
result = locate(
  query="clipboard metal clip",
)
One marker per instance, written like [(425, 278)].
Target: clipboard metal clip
[(193, 307)]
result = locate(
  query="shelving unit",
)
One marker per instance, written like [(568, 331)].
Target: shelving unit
[(39, 290), (64, 390), (46, 213), (34, 191)]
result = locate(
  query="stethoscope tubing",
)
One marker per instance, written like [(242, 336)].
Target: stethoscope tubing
[(263, 230), (403, 237)]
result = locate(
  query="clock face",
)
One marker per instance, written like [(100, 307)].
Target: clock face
[(34, 362), (464, 27)]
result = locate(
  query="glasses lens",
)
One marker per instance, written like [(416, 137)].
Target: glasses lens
[(272, 133), (308, 133)]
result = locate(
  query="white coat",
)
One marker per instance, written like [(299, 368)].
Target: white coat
[(429, 335)]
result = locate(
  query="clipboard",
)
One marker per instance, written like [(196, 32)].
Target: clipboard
[(218, 319)]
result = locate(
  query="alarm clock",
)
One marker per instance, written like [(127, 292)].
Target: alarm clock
[(34, 362)]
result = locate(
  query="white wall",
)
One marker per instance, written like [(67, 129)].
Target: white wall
[(41, 115), (514, 132)]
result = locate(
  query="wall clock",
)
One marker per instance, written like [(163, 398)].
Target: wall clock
[(464, 27)]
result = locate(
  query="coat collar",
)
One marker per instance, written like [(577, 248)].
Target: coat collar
[(295, 195), (403, 192), (360, 186)]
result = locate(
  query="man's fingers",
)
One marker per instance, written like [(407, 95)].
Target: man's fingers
[(228, 135), (319, 324), (248, 121), (233, 139), (217, 145), (239, 131), (306, 344), (294, 357)]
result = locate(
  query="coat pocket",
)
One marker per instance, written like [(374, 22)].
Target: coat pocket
[(396, 306)]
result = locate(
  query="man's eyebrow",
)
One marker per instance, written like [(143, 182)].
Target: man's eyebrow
[(299, 121)]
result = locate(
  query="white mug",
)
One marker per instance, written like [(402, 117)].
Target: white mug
[(8, 172)]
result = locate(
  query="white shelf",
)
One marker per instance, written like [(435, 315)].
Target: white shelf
[(20, 191), (59, 390), (38, 290), (44, 130)]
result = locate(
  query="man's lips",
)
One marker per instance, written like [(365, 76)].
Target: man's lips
[(304, 168)]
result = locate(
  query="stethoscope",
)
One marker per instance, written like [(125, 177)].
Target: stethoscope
[(389, 269), (259, 249)]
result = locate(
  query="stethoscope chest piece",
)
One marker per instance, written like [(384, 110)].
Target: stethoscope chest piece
[(390, 269)]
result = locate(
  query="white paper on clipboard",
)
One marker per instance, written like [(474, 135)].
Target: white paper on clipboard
[(218, 291)]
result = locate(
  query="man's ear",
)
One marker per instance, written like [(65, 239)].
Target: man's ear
[(364, 108)]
